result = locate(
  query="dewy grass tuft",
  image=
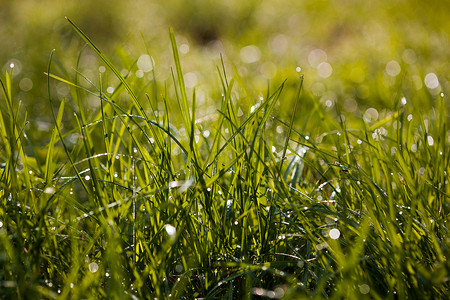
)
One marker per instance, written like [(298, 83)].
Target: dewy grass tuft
[(142, 194)]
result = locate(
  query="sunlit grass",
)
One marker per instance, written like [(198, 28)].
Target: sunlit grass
[(140, 196)]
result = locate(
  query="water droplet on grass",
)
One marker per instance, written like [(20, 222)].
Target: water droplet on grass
[(364, 289), (171, 231), (334, 233), (93, 267), (139, 73), (49, 190), (298, 69)]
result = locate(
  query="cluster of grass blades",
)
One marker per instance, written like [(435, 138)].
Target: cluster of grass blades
[(162, 204)]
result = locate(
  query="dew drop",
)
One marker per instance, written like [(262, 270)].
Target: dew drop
[(410, 117), (49, 190), (171, 231), (334, 233), (364, 289), (93, 267)]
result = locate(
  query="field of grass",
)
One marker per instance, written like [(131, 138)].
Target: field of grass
[(220, 167)]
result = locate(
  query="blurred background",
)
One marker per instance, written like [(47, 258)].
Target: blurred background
[(354, 54)]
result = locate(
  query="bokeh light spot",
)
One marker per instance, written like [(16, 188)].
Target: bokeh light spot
[(393, 68), (431, 81), (324, 69), (250, 54), (190, 79), (26, 84), (316, 56), (145, 63), (334, 233)]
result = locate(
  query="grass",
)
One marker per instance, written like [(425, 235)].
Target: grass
[(140, 193)]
